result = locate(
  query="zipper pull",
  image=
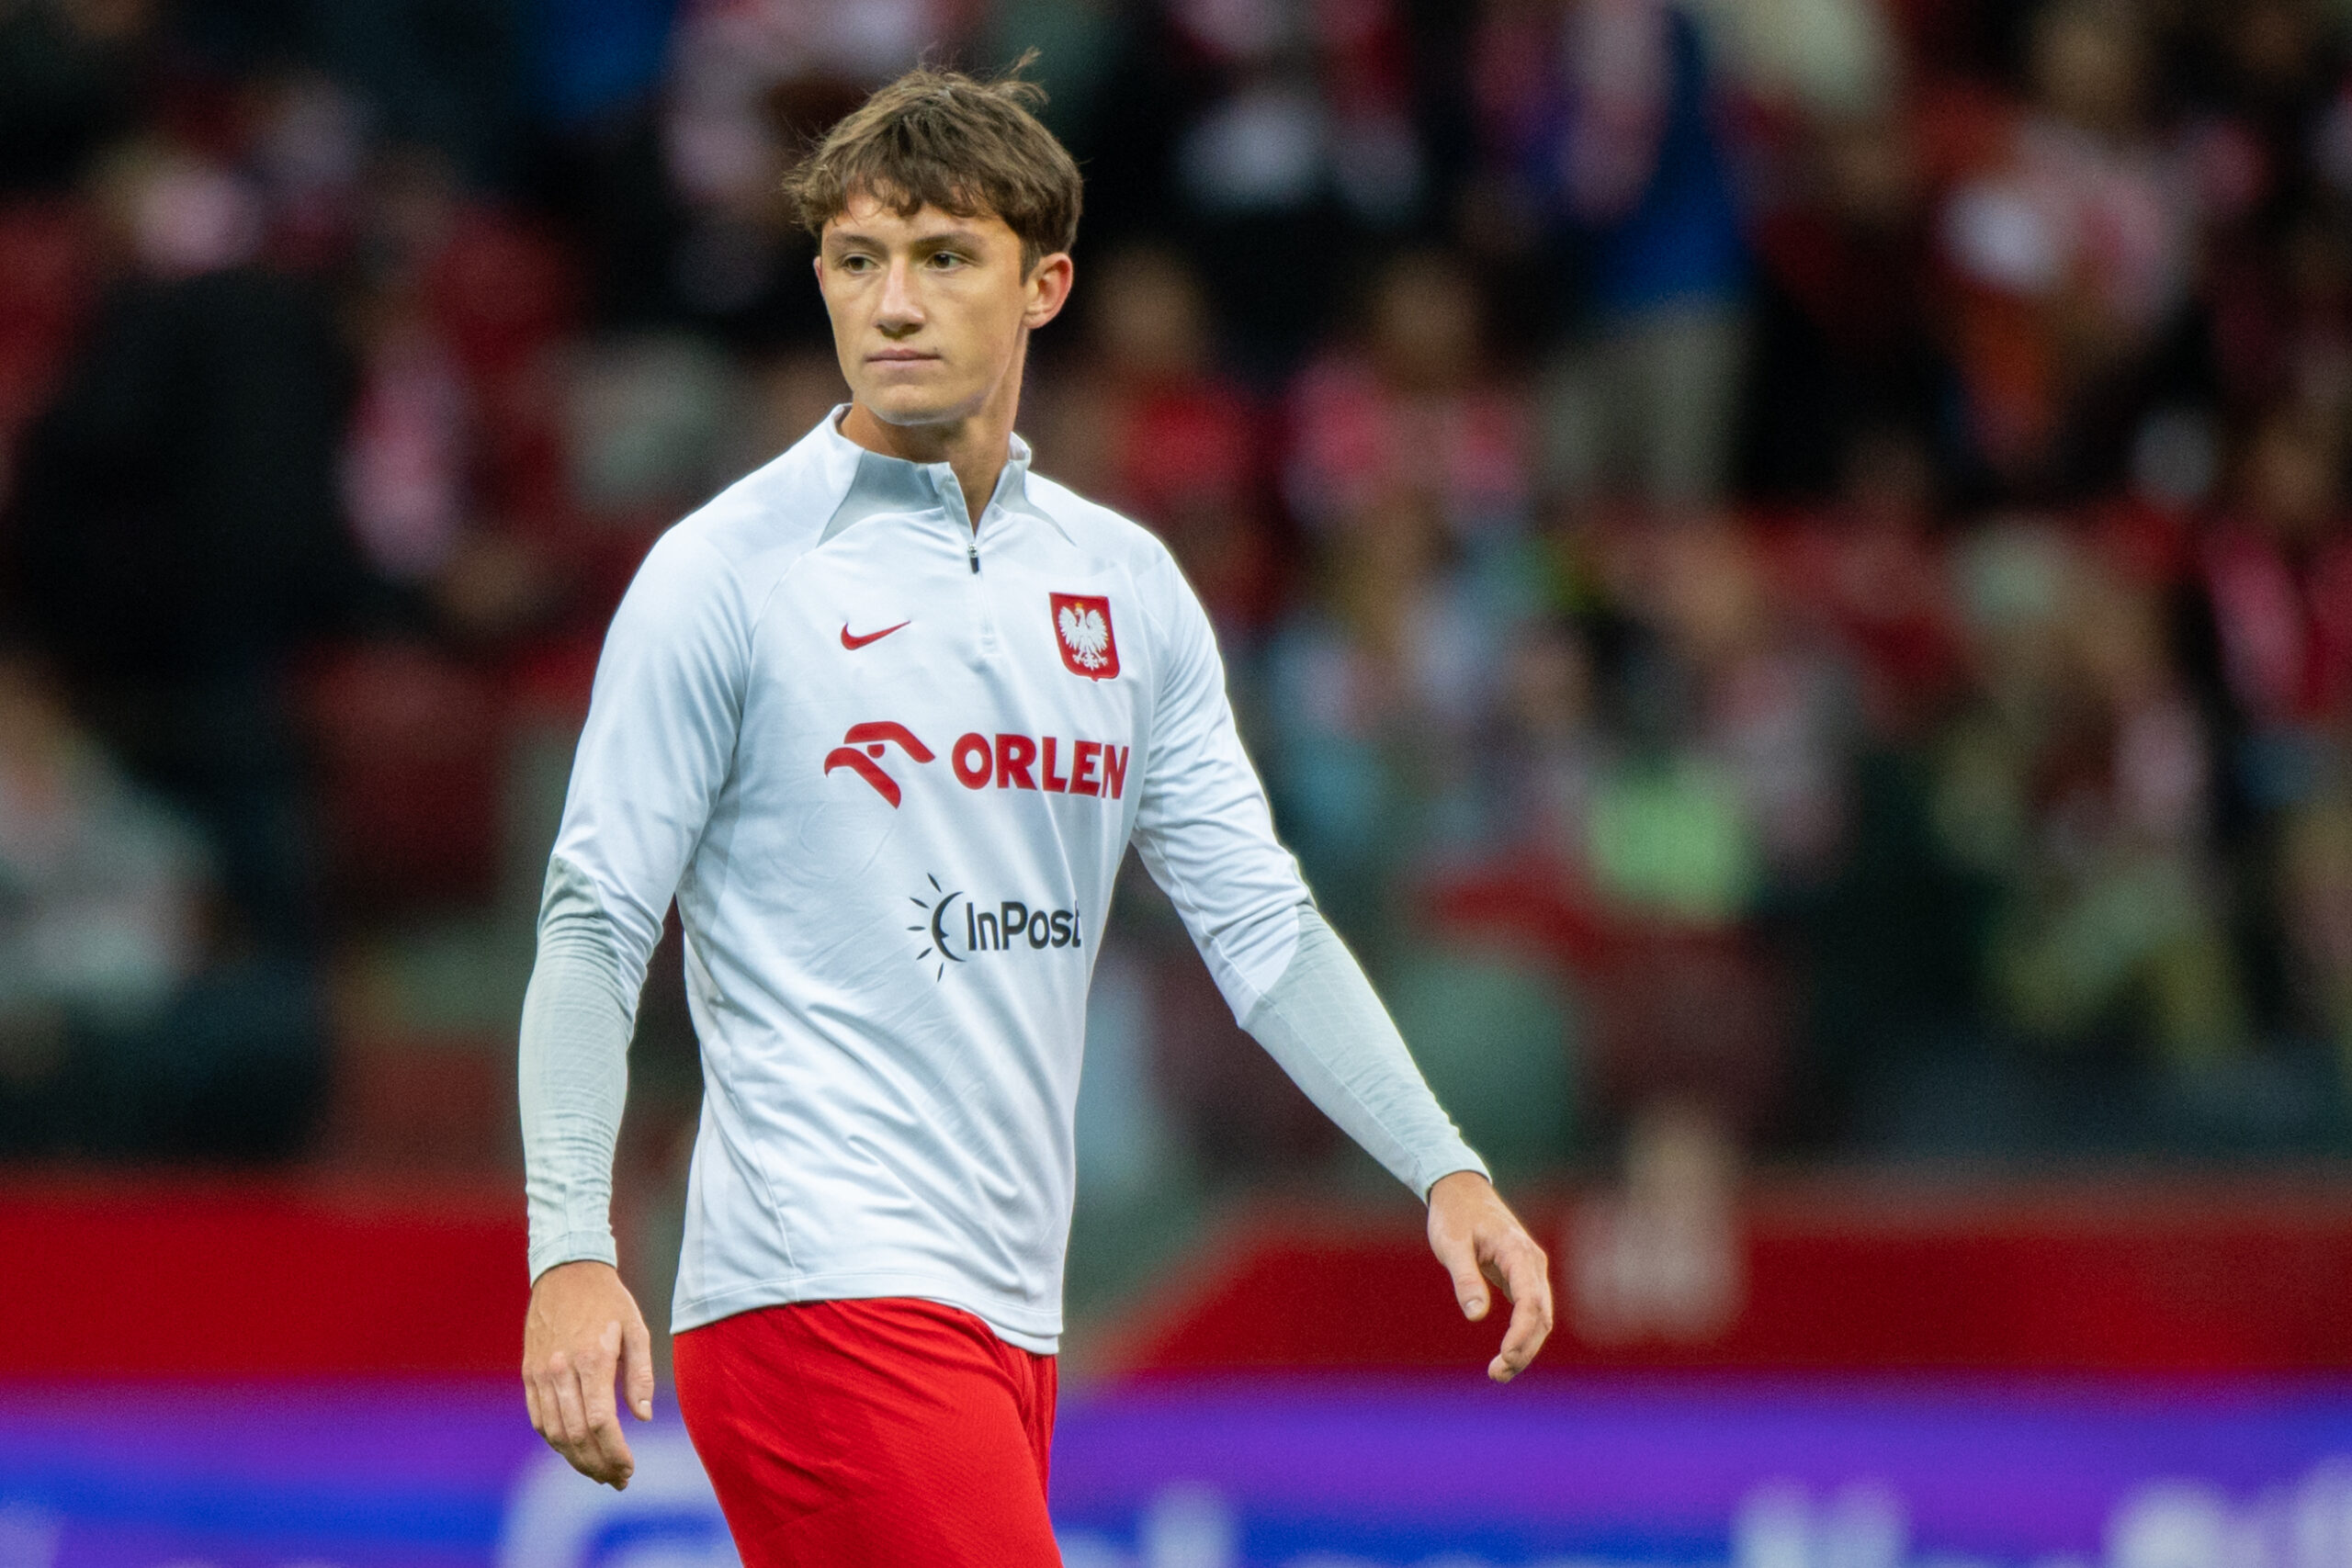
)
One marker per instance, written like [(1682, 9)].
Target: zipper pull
[(973, 550)]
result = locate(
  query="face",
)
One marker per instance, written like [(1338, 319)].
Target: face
[(932, 312), (1148, 316), (2090, 66), (2290, 477), (1425, 323)]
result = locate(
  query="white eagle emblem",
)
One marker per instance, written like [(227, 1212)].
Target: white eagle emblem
[(1085, 635)]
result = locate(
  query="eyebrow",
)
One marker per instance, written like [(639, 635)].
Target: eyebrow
[(968, 236), (944, 236)]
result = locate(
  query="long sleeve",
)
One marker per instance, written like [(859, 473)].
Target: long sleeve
[(1207, 837), (1321, 1022), (654, 755), (573, 1073)]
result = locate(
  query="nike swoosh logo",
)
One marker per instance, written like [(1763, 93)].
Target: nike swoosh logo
[(854, 643)]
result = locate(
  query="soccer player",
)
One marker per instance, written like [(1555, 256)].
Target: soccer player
[(883, 717)]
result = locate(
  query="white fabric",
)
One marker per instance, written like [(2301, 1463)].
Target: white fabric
[(573, 1071), (887, 1107), (1323, 1023)]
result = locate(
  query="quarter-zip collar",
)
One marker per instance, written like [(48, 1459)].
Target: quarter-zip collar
[(880, 485)]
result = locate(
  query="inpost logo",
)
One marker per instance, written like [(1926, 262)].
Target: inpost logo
[(958, 928)]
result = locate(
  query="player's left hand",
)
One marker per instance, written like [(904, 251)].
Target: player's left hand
[(1481, 1243), (583, 1331)]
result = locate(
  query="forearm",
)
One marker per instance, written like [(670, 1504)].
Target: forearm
[(1322, 1022), (573, 1073)]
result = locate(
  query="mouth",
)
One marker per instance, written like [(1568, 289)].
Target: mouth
[(900, 356)]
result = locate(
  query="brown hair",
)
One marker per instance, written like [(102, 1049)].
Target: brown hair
[(938, 137)]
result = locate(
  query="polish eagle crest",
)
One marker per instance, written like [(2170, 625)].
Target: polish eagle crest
[(1085, 635), (1090, 646)]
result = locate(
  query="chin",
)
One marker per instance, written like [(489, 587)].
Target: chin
[(913, 405)]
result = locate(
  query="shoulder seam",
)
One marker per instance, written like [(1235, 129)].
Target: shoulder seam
[(698, 523), (735, 583)]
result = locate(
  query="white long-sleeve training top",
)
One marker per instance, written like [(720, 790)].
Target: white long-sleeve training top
[(888, 763)]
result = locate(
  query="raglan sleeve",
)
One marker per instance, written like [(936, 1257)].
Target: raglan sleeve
[(651, 760), (1207, 835)]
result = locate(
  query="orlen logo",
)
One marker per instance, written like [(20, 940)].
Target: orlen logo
[(875, 739), (961, 929), (1021, 761)]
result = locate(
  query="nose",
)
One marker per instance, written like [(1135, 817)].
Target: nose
[(901, 310)]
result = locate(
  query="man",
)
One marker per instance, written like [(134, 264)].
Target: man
[(884, 717)]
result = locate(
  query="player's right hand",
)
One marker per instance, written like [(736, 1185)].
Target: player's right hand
[(583, 1331)]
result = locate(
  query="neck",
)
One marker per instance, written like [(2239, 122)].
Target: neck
[(975, 445)]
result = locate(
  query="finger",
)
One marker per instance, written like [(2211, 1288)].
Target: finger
[(593, 1373), (597, 1377), (562, 1437), (1520, 1341), (1469, 1285), (531, 1403), (622, 1463), (637, 1368), (1530, 1318), (603, 1449), (597, 1373), (571, 1414)]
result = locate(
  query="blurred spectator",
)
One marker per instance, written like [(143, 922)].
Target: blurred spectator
[(1870, 574), (448, 78), (408, 464), (642, 422), (307, 152), (2071, 246), (1847, 343), (1141, 420), (2282, 312), (2279, 573), (1728, 787), (788, 395), (2081, 782), (1835, 209), (2266, 71), (1548, 750), (461, 473), (1313, 103), (121, 1032), (747, 79), (104, 885), (178, 528), (1834, 61), (47, 282), (1619, 153), (1293, 124), (71, 73), (1627, 603), (592, 59), (2315, 911), (1772, 711), (1662, 1258), (1417, 415), (1408, 466), (1380, 683)]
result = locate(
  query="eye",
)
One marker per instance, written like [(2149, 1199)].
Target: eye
[(946, 260), (855, 261)]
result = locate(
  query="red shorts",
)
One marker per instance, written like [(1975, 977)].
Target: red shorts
[(893, 1432)]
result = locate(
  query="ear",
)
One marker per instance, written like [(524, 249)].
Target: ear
[(1047, 289)]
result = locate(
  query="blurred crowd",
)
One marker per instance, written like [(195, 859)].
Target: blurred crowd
[(1785, 561)]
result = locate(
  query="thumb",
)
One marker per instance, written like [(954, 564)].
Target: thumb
[(637, 1368)]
